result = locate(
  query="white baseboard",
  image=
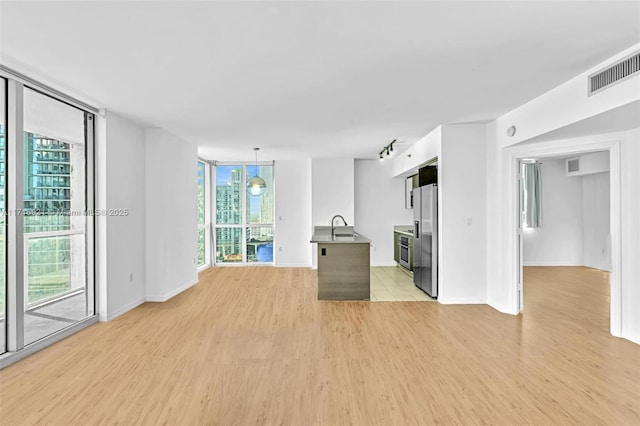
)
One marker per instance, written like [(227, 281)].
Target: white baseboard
[(463, 301), (600, 267), (551, 263), (150, 298), (169, 295), (634, 339), (126, 308)]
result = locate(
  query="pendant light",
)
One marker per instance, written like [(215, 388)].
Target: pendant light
[(256, 185)]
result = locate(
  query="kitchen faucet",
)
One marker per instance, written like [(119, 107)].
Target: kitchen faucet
[(333, 219)]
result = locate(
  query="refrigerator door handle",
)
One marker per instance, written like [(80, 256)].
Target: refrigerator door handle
[(416, 231)]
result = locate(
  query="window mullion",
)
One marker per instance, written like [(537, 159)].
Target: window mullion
[(15, 220), (243, 221)]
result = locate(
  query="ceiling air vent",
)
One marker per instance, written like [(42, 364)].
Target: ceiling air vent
[(573, 165), (614, 74)]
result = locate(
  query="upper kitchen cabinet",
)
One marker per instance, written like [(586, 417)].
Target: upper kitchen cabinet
[(426, 176), (408, 195)]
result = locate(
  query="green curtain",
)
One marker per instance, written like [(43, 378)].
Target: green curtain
[(532, 191)]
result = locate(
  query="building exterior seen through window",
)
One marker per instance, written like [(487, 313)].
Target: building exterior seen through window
[(47, 207)]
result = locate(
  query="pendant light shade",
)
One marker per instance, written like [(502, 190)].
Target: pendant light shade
[(256, 186)]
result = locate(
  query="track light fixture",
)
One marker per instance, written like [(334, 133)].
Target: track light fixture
[(387, 149)]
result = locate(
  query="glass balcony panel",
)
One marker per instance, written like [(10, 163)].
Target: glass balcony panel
[(201, 246), (260, 244), (55, 292), (228, 245)]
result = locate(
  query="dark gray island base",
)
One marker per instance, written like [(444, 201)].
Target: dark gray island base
[(343, 264)]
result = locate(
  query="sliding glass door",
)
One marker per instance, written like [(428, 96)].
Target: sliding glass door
[(46, 225), (244, 221), (55, 223)]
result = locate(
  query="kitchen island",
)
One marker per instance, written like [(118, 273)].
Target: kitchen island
[(343, 263)]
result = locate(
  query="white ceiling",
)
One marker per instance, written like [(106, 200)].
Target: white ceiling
[(310, 79)]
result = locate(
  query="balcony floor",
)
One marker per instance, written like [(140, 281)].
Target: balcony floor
[(45, 320)]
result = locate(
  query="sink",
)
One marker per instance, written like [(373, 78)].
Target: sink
[(343, 236)]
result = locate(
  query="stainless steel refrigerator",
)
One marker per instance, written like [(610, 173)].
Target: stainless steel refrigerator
[(425, 234)]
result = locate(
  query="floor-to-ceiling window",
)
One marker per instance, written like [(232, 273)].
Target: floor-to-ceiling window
[(48, 223), (259, 217), (204, 216), (3, 223), (244, 221)]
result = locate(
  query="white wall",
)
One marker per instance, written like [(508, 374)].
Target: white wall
[(332, 193), (596, 221), (171, 214), (425, 149), (630, 230), (379, 205), (332, 190), (125, 235), (462, 196), (559, 241), (597, 162), (293, 213)]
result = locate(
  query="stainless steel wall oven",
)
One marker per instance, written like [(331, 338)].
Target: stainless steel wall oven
[(404, 248)]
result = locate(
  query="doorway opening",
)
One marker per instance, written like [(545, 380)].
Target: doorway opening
[(566, 237), (607, 255)]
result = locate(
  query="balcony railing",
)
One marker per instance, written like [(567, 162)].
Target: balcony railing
[(53, 265)]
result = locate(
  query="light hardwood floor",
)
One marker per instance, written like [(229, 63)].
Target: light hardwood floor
[(251, 346)]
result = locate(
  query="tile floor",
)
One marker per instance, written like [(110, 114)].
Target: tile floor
[(393, 284)]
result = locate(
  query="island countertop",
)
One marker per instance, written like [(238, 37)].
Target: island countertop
[(341, 235)]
